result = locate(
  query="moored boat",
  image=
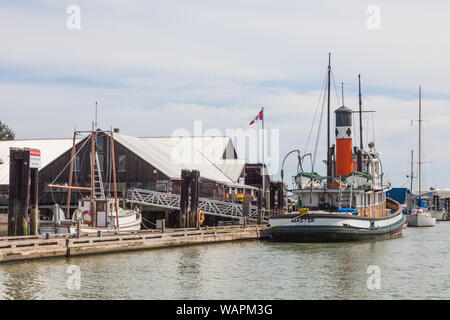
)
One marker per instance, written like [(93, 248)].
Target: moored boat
[(97, 211), (421, 215), (350, 203)]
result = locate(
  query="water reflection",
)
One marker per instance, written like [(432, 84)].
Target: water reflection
[(415, 266)]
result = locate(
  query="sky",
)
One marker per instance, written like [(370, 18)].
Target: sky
[(158, 66)]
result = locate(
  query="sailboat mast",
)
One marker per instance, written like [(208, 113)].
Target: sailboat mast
[(329, 172), (412, 171), (420, 140)]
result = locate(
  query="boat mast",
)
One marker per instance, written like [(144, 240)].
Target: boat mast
[(420, 140), (72, 159), (329, 172), (412, 170), (92, 164), (114, 180), (360, 115)]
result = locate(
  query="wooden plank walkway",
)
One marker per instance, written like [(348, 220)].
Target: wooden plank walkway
[(66, 245)]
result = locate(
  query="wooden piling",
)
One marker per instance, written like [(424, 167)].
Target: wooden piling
[(34, 217), (194, 187), (22, 221), (184, 200), (14, 178)]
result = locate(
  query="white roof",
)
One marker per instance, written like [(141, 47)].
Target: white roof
[(50, 150), (167, 154), (172, 154)]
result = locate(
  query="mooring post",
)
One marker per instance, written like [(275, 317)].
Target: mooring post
[(78, 229), (259, 203), (34, 217), (14, 178), (184, 198), (193, 214), (24, 194), (280, 197), (163, 226), (272, 191), (245, 211)]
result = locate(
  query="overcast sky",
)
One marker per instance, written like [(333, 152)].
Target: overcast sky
[(157, 66)]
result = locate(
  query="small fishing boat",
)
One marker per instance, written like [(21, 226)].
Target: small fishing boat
[(97, 211), (349, 203)]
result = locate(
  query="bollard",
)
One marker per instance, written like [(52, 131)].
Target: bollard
[(78, 229), (99, 233)]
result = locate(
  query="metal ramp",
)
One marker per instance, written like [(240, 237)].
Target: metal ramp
[(172, 202)]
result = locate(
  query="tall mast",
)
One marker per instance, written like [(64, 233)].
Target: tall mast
[(72, 159), (92, 163), (360, 114), (329, 173), (420, 140), (115, 182), (412, 171)]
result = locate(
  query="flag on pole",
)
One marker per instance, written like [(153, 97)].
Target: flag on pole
[(258, 117)]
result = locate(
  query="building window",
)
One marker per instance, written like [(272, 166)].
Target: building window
[(122, 162), (76, 164), (100, 144), (101, 160)]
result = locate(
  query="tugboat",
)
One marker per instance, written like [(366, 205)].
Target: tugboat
[(349, 203), (96, 212)]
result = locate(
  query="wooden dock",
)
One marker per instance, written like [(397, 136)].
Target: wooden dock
[(65, 245)]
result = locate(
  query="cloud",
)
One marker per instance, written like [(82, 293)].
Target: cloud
[(158, 66)]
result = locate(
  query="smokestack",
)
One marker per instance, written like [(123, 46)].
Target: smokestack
[(344, 144)]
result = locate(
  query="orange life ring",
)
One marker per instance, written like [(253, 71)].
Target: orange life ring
[(201, 216), (86, 221)]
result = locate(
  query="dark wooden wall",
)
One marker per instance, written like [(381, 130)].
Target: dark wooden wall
[(137, 172)]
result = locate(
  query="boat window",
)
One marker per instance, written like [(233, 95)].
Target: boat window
[(101, 206), (343, 119)]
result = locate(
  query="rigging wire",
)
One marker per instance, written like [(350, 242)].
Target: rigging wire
[(322, 91), (69, 162), (318, 135)]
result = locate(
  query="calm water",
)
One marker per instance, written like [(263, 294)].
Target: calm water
[(415, 266)]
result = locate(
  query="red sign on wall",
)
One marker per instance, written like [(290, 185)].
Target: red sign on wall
[(35, 158)]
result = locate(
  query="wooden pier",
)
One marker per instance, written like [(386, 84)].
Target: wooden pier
[(66, 245)]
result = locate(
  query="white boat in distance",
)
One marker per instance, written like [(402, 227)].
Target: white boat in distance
[(420, 214)]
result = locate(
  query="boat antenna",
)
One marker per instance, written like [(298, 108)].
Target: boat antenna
[(328, 124), (342, 89)]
